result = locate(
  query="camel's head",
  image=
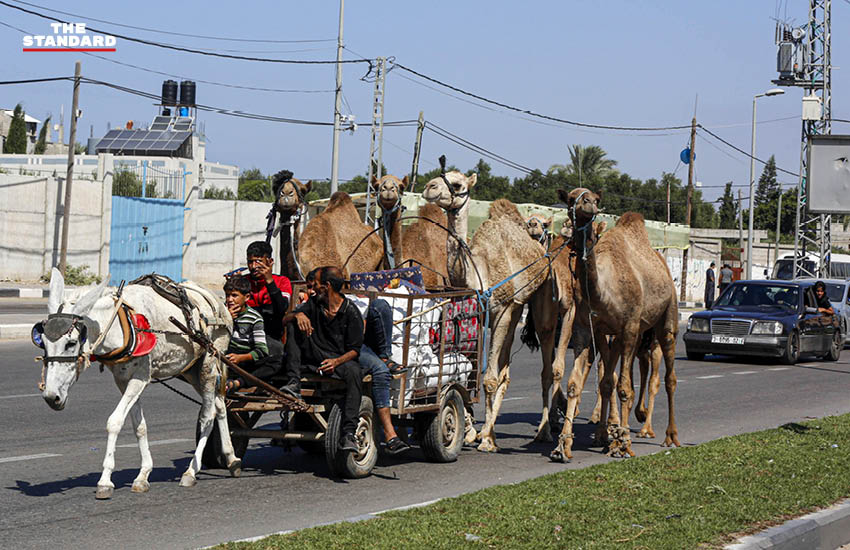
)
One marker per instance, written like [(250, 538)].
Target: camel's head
[(289, 192), (389, 189), (566, 229), (538, 226), (450, 192), (64, 336), (583, 202)]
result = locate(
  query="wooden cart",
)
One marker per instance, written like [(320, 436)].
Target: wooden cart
[(433, 400)]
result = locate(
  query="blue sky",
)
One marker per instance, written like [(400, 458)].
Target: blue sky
[(614, 62)]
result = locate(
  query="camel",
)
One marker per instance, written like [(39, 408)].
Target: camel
[(289, 195), (338, 237), (420, 243), (566, 230), (623, 289), (499, 249), (289, 202), (538, 226), (79, 331)]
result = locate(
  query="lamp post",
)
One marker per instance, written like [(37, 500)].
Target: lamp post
[(769, 93)]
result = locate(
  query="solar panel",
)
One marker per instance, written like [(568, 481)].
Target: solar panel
[(182, 124), (142, 142), (160, 122)]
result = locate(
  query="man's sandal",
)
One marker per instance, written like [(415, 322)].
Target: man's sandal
[(394, 367)]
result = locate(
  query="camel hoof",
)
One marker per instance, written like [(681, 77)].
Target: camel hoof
[(594, 418), (646, 434), (487, 446), (557, 456), (103, 492), (470, 437), (187, 480), (669, 442), (543, 436), (235, 468), (141, 486)]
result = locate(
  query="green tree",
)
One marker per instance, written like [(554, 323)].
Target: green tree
[(489, 187), (728, 210), (767, 193), (216, 193), (251, 174), (127, 184), (79, 148), (255, 190), (320, 189), (586, 162), (16, 141), (41, 144)]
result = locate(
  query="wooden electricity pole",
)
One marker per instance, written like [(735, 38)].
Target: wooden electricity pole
[(69, 177), (688, 209)]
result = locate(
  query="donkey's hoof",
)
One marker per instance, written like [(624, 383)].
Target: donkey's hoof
[(187, 480), (103, 492), (235, 468), (141, 486)]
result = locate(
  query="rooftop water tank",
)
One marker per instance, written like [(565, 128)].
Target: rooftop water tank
[(169, 92), (187, 93)]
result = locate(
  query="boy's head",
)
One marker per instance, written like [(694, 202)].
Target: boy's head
[(258, 253), (236, 292), (310, 282)]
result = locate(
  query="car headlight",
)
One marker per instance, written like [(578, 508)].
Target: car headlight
[(697, 324), (767, 327)]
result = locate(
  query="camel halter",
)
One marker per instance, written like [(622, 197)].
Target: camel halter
[(583, 229), (386, 216), (451, 189)]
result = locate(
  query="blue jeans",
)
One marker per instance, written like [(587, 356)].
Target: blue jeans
[(381, 377), (379, 328)]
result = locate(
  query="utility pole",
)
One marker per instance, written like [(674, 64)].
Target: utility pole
[(69, 177), (740, 229), (337, 105), (376, 147), (668, 201), (688, 209), (417, 148), (778, 219)]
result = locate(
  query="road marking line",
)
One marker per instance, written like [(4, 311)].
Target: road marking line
[(20, 395), (745, 372), (160, 442), (709, 376), (779, 368), (512, 398), (27, 457)]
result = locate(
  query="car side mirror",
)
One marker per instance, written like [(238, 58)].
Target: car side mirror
[(765, 273), (811, 310)]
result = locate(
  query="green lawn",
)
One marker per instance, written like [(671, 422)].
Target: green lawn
[(693, 497)]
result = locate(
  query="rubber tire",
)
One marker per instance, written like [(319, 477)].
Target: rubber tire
[(695, 356), (212, 459), (303, 423), (788, 356), (348, 464), (443, 439), (835, 348)]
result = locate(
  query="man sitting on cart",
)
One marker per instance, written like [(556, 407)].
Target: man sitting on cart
[(325, 335)]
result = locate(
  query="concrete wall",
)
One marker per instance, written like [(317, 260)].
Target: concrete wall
[(31, 225)]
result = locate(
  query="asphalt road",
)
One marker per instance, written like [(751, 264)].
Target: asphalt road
[(50, 461)]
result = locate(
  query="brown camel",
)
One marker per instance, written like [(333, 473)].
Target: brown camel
[(420, 243), (337, 236), (623, 289), (289, 195), (499, 249), (538, 226)]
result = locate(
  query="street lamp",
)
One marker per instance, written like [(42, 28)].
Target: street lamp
[(769, 93)]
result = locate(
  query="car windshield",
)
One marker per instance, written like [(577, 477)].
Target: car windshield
[(835, 292), (759, 295), (784, 269)]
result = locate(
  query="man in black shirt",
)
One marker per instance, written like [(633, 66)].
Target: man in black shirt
[(325, 335), (822, 300)]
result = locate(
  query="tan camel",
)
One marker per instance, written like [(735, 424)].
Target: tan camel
[(420, 243), (499, 249), (331, 237), (623, 289), (538, 226), (289, 195), (566, 230)]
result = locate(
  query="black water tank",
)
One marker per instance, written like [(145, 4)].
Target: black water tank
[(187, 93), (169, 92)]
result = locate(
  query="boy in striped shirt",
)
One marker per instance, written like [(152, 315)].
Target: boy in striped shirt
[(247, 346)]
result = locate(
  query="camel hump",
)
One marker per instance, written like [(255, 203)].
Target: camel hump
[(432, 212), (631, 219), (503, 208), (338, 199)]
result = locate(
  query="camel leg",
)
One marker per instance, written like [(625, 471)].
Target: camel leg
[(597, 408), (621, 445), (575, 384), (668, 348), (497, 378), (653, 363), (609, 355), (132, 390), (547, 378), (558, 399)]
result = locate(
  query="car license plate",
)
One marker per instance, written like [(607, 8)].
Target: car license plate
[(718, 339)]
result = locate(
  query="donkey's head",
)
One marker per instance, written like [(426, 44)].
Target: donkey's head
[(66, 337)]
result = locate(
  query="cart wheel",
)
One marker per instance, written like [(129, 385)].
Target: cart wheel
[(212, 458), (303, 423), (443, 439), (352, 464)]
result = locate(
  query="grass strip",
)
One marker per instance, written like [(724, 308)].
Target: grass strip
[(693, 497)]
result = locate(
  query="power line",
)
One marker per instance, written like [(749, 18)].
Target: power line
[(35, 80), (475, 147), (715, 136), (193, 50), (256, 40), (534, 114)]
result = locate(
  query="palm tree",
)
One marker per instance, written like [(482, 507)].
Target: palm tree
[(586, 162)]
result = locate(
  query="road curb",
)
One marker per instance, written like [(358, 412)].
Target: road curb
[(824, 530), (24, 292), (15, 332)]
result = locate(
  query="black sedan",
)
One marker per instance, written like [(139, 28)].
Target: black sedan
[(765, 318)]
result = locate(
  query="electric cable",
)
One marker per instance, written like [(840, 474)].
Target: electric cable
[(715, 136)]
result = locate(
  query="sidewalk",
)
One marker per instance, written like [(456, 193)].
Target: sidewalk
[(827, 529)]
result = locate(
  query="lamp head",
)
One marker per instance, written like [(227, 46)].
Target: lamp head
[(774, 91)]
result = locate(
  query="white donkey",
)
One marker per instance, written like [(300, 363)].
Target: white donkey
[(96, 327)]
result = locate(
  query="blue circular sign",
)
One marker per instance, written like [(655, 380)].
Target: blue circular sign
[(685, 155)]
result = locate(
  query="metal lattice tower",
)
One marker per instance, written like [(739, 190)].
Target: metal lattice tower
[(813, 230), (376, 148)]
